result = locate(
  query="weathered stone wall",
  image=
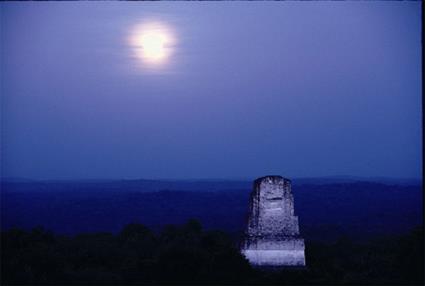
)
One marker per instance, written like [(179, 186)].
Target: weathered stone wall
[(272, 235)]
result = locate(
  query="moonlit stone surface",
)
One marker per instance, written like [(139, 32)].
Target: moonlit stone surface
[(272, 235)]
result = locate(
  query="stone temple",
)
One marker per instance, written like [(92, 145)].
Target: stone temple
[(272, 235)]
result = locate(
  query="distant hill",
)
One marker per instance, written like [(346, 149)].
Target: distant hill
[(148, 185), (353, 179), (326, 211), (15, 180), (127, 185)]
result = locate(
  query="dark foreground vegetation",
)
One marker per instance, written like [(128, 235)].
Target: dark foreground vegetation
[(187, 254)]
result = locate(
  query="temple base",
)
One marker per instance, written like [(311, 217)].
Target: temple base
[(275, 257)]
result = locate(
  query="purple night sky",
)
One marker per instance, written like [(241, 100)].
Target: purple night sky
[(247, 89)]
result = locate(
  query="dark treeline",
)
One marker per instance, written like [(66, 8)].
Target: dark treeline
[(186, 254)]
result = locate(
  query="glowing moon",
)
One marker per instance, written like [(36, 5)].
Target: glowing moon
[(153, 46), (152, 43)]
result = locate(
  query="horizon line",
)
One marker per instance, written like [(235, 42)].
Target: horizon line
[(336, 177)]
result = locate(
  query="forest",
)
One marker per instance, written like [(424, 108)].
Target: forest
[(360, 210), (161, 232), (189, 254)]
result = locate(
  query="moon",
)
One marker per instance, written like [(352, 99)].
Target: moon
[(153, 46), (152, 42)]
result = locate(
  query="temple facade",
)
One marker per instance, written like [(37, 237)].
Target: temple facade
[(272, 235)]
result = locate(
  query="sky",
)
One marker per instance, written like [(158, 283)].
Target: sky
[(243, 90)]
